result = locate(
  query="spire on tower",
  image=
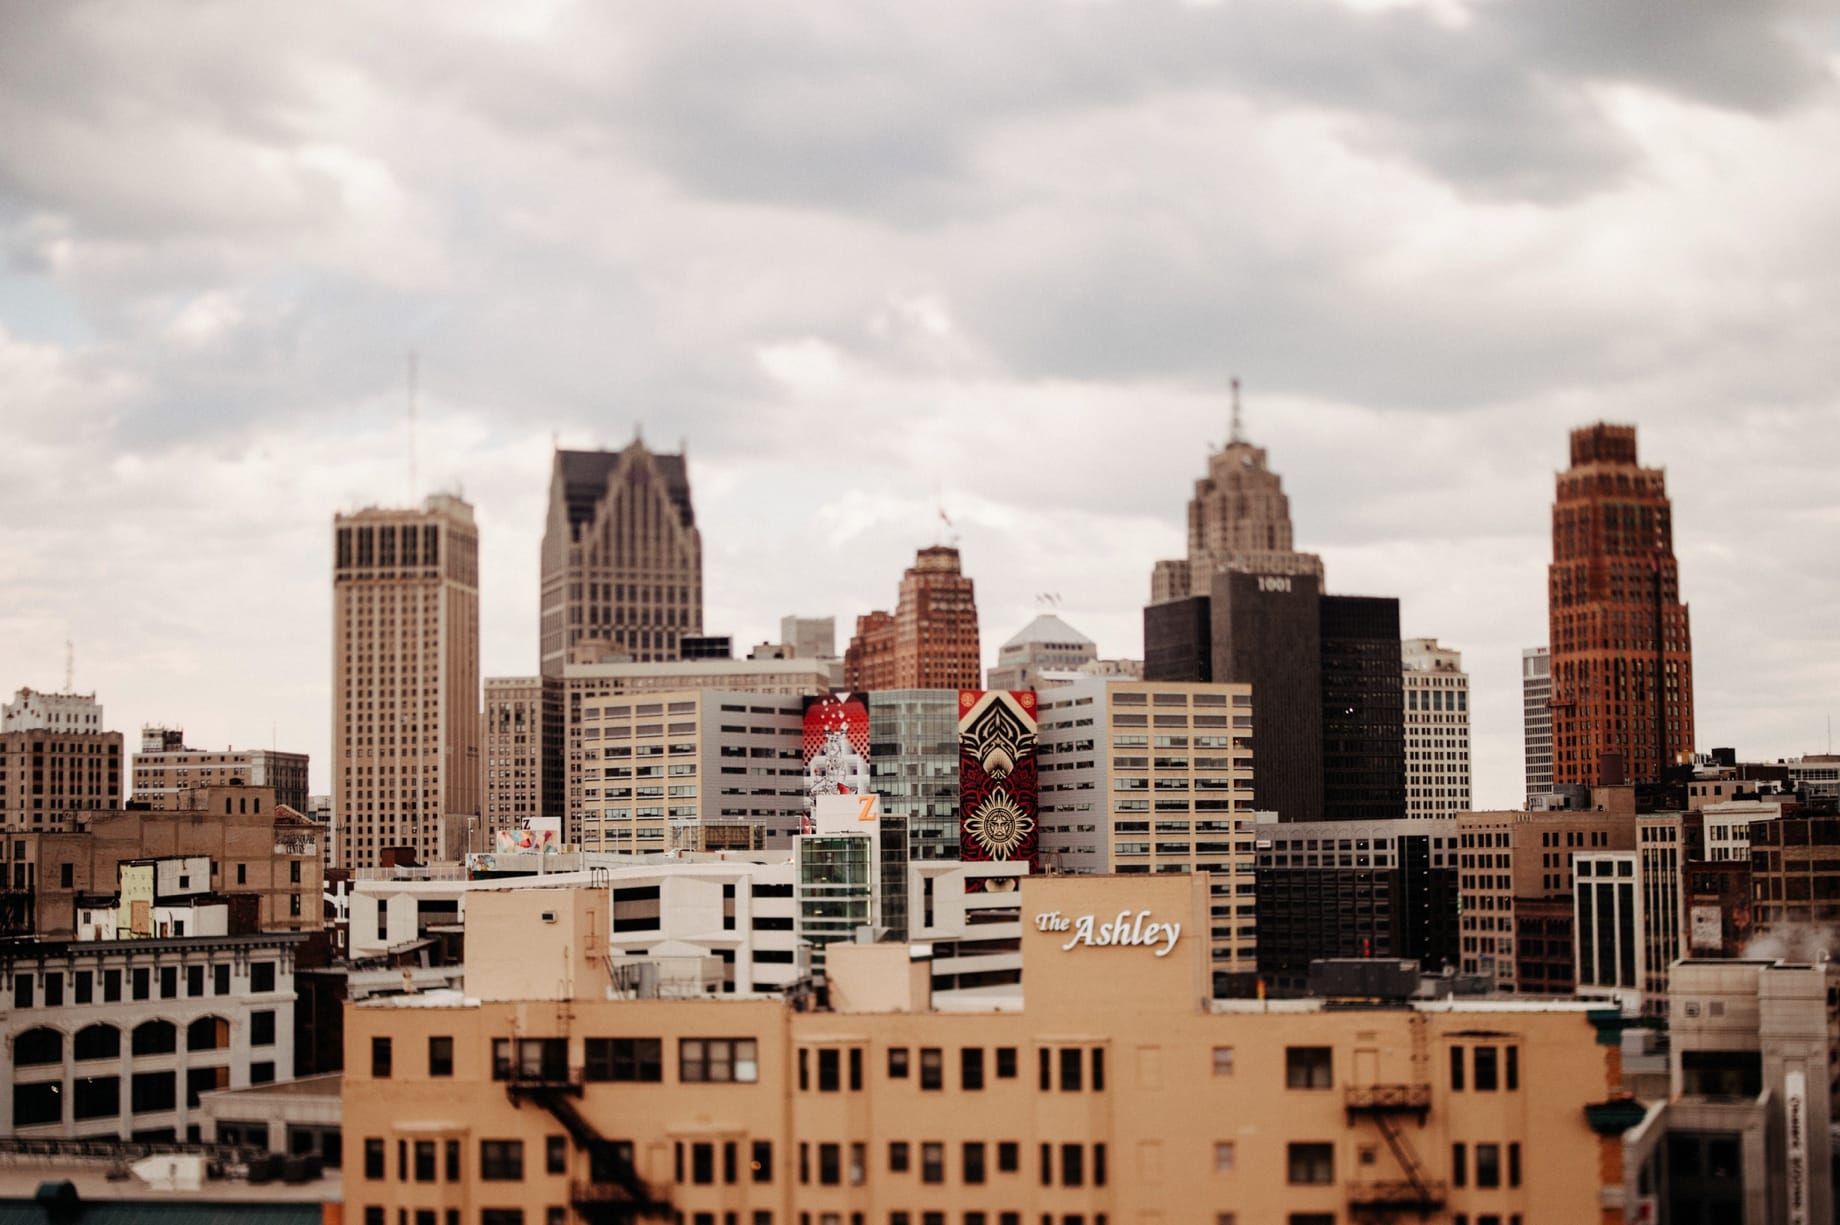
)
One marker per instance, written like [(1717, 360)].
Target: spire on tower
[(1236, 435)]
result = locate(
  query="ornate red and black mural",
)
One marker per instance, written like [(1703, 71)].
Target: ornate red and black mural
[(998, 812)]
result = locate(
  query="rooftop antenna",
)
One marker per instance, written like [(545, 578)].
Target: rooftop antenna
[(1236, 434), (70, 671), (412, 389), (950, 526)]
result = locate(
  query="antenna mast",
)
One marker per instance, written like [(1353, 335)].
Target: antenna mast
[(1236, 434), (412, 389), (70, 666)]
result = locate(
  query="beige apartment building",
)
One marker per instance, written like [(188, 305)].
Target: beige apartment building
[(57, 764), (1117, 1092), (166, 769), (405, 681), (654, 769), (1515, 873), (523, 730), (1437, 729), (1140, 778)]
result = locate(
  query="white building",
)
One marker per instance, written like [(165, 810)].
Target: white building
[(1609, 945), (1728, 826), (33, 711), (1437, 729), (120, 1038), (1536, 723)]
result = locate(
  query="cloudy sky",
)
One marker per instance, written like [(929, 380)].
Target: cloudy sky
[(868, 260)]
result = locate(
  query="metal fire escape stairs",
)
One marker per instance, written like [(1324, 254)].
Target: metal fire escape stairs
[(613, 1194), (1388, 1105)]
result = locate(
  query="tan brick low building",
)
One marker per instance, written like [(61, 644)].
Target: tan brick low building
[(1116, 1093)]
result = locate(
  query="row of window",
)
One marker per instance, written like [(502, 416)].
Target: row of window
[(140, 982), (44, 1045)]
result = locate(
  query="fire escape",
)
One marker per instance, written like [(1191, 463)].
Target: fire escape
[(614, 1193), (1388, 1106)]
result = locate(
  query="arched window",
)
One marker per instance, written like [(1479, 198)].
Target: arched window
[(39, 1045), (156, 1038), (98, 1042), (207, 1034)]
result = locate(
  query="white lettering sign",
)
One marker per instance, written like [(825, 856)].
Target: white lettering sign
[(1269, 582), (1795, 1101), (1126, 930)]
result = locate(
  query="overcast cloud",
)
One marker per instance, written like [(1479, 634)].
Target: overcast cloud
[(869, 260)]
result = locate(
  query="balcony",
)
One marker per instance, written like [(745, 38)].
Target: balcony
[(1402, 1196), (1388, 1099)]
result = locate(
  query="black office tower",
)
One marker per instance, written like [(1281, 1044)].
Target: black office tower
[(1266, 634), (1178, 643), (1363, 710)]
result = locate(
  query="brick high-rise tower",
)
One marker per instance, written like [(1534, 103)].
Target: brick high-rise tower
[(405, 681), (931, 641), (1622, 653)]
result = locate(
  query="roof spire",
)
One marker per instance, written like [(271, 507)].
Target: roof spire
[(1236, 434)]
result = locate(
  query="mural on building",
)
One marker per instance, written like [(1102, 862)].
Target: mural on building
[(836, 749), (996, 778)]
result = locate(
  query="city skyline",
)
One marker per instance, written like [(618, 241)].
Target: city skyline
[(855, 307)]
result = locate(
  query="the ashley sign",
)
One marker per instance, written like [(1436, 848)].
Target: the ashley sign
[(1126, 930)]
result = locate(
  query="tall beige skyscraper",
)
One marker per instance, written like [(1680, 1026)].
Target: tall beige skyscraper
[(1238, 520), (622, 558), (1437, 729), (405, 681)]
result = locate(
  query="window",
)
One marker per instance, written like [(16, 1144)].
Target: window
[(830, 1164), (373, 1158), (451, 1159), (1459, 1165), (1098, 1069), (155, 1038), (262, 1028), (262, 1073), (1514, 1066), (556, 1154), (424, 1161), (932, 1068), (83, 988), (194, 981), (1456, 1068), (143, 983), (1073, 1165), (762, 1162), (169, 982), (441, 1056), (544, 1060), (1312, 1164), (1308, 1067), (1070, 1069), (897, 1063), (501, 1160), (1488, 1165), (971, 1067), (1006, 1063), (501, 1216), (220, 979), (897, 1157), (1485, 1069), (973, 1161), (1223, 1156), (1514, 1162), (830, 1069), (1223, 1061), (624, 1059), (717, 1059), (111, 986), (262, 976), (856, 1068), (380, 1058), (1009, 1156), (932, 1162)]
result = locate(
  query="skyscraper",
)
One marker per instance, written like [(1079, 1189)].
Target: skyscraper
[(524, 741), (1536, 722), (1622, 654), (1437, 729), (931, 641), (405, 681), (1239, 520), (1363, 710), (622, 558), (61, 762)]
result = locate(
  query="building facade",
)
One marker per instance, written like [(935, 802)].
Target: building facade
[(930, 641), (534, 1093), (1368, 889), (1046, 644), (120, 1037), (525, 736), (406, 764), (913, 765), (165, 769), (1363, 709), (622, 558), (1622, 649), (57, 764), (1436, 729), (1140, 778), (1536, 724)]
